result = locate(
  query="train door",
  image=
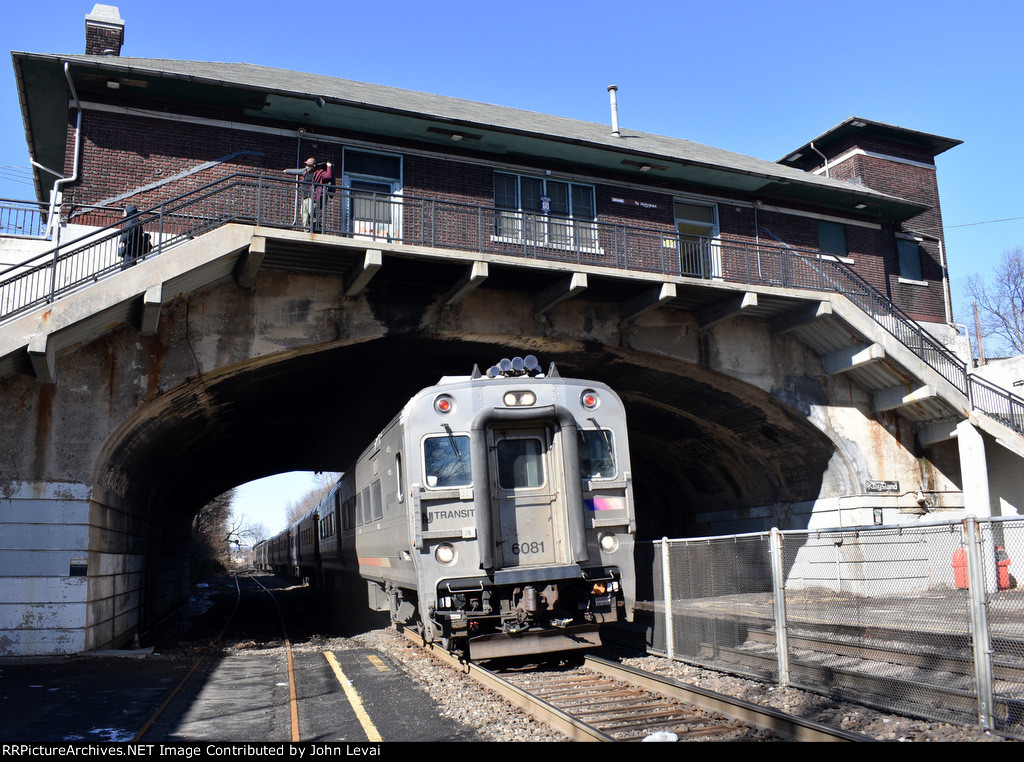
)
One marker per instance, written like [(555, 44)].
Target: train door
[(526, 495)]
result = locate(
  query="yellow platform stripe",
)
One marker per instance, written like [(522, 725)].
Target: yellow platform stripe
[(353, 698)]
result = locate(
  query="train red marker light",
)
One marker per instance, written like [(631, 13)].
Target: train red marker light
[(590, 400), (444, 404)]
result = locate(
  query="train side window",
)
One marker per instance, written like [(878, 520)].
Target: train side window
[(446, 461), (520, 463), (399, 490), (364, 506), (347, 513), (597, 454), (375, 501)]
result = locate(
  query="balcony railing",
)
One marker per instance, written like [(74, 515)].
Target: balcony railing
[(272, 202), (21, 218)]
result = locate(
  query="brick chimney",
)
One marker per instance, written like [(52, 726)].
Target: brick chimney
[(104, 31)]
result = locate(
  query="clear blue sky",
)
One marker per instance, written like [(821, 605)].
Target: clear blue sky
[(752, 77)]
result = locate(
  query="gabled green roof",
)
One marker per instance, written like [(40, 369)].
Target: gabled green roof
[(515, 135)]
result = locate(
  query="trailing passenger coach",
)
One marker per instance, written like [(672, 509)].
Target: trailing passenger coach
[(494, 514)]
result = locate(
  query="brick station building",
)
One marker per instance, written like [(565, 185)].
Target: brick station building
[(132, 130)]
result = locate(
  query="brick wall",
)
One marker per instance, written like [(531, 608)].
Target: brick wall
[(125, 153)]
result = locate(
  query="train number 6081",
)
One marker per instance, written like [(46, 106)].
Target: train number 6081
[(527, 548)]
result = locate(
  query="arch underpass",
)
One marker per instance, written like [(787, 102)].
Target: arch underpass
[(700, 442)]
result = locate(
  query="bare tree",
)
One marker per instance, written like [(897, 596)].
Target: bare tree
[(299, 508), (211, 535), (1000, 304)]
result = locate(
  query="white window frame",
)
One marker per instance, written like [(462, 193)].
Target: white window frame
[(365, 228), (715, 253), (511, 224)]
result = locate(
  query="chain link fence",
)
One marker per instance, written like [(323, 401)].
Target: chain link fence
[(924, 620)]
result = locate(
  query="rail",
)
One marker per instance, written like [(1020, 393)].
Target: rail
[(273, 202), (23, 219)]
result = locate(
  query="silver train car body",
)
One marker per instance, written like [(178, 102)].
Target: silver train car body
[(494, 514)]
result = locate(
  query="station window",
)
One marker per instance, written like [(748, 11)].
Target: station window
[(372, 181), (543, 211), (446, 461), (597, 454), (909, 251), (832, 238)]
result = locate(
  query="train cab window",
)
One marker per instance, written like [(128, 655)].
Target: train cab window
[(520, 463), (446, 461), (597, 454)]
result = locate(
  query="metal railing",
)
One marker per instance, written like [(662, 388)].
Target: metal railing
[(274, 202), (924, 620), (996, 402), (21, 218)]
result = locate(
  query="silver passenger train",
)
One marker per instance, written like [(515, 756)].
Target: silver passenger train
[(494, 514)]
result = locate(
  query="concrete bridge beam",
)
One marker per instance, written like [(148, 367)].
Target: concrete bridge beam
[(852, 357), (648, 300), (726, 309), (554, 295)]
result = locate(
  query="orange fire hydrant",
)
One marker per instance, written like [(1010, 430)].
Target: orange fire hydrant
[(1002, 568), (960, 568)]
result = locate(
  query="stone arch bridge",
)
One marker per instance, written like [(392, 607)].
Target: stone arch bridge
[(249, 351)]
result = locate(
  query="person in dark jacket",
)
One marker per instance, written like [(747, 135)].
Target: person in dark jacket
[(131, 246), (315, 179)]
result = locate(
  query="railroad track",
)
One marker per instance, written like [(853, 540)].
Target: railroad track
[(211, 648), (606, 701)]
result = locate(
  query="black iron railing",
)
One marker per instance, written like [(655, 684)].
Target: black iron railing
[(273, 202)]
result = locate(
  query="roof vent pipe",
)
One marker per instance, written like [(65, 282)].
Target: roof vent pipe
[(615, 110)]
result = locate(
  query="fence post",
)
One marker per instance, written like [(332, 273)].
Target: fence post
[(666, 579), (56, 258), (979, 624), (779, 596)]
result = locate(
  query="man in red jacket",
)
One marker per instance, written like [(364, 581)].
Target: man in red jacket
[(315, 179)]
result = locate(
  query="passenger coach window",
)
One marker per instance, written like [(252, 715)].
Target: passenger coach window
[(378, 508), (446, 461), (520, 463), (597, 454)]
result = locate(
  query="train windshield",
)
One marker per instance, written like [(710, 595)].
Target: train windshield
[(446, 460), (520, 463), (597, 454)]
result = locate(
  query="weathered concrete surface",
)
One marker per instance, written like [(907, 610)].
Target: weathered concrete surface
[(733, 427)]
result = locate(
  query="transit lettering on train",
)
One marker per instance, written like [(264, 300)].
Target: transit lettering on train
[(493, 515), (462, 513)]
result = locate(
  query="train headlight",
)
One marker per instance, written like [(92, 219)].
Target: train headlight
[(590, 400), (444, 404), (445, 553), (609, 542), (519, 399)]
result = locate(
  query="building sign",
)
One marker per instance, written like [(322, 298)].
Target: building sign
[(634, 202), (882, 487)]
